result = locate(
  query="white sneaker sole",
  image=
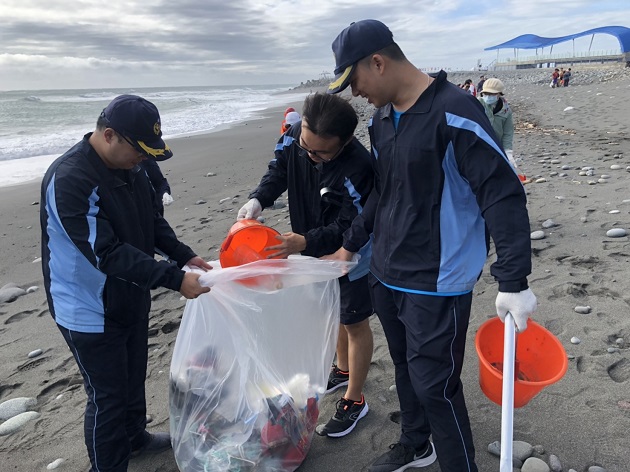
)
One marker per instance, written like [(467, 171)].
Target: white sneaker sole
[(349, 430)]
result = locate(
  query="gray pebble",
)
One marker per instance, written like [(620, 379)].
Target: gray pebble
[(583, 219), (14, 424), (592, 182), (261, 219), (15, 406), (9, 294), (602, 181), (619, 340), (226, 199), (200, 202), (582, 173), (539, 449), (382, 399), (570, 357), (494, 448), (588, 168), (562, 174), (541, 180), (556, 161), (612, 350), (35, 353), (533, 464), (613, 212), (537, 235), (32, 289), (54, 464), (615, 167), (596, 468), (553, 174), (548, 223), (582, 309), (522, 450), (616, 233), (604, 176), (210, 174), (392, 388), (575, 340), (554, 463)]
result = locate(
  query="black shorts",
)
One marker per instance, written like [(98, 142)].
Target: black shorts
[(356, 303)]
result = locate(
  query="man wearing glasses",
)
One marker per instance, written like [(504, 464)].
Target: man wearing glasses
[(100, 226), (328, 175)]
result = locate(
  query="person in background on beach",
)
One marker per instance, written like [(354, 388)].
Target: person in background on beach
[(283, 126), (160, 184), (561, 77), (99, 228), (500, 115), (482, 79), (566, 77), (329, 176), (290, 119), (440, 177), (554, 78)]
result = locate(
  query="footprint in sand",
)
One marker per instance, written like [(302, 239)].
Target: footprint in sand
[(620, 371)]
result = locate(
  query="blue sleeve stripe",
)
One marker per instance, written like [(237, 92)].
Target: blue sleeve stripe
[(76, 286), (462, 231), (356, 196), (469, 125), (91, 220)]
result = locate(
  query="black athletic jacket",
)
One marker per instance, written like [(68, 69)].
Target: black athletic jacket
[(99, 230), (440, 177), (323, 198)]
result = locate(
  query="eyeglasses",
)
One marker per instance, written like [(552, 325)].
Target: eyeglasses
[(318, 154)]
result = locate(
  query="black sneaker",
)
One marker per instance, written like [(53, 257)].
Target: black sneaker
[(337, 379), (401, 457), (345, 418)]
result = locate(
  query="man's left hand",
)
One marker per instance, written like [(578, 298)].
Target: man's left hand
[(291, 243), (198, 263), (520, 304)]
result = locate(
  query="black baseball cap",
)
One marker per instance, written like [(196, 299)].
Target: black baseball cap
[(357, 41), (138, 120)]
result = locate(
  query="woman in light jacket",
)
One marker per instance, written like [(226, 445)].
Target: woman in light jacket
[(499, 113)]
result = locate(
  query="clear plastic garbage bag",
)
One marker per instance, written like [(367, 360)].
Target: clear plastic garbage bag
[(251, 361)]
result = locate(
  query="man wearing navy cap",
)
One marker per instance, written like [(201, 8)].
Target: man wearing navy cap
[(441, 178), (100, 227)]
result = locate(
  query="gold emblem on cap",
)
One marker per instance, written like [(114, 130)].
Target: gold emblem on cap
[(156, 128)]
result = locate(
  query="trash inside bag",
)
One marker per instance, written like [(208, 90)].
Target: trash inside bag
[(250, 363)]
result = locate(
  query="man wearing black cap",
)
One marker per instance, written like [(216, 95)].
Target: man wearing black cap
[(441, 176), (100, 226)]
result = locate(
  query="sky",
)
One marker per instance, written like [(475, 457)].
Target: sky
[(68, 44)]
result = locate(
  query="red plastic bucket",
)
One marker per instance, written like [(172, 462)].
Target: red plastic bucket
[(246, 242), (540, 357)]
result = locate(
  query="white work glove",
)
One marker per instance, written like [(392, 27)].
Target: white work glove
[(251, 210), (520, 304), (166, 199), (510, 155)]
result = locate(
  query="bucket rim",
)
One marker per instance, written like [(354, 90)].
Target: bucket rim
[(495, 373)]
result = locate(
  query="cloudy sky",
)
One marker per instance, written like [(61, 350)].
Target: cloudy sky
[(116, 43)]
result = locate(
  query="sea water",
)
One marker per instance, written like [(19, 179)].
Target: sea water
[(37, 126)]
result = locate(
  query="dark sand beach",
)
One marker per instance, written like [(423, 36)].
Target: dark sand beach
[(561, 133)]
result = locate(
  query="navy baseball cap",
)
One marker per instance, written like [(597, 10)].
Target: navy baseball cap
[(138, 120), (357, 41)]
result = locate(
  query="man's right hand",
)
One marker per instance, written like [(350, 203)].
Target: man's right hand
[(251, 210), (191, 288), (340, 254)]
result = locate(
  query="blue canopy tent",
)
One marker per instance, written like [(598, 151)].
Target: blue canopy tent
[(531, 41)]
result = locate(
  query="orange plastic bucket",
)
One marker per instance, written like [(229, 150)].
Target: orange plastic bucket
[(541, 361), (246, 242)]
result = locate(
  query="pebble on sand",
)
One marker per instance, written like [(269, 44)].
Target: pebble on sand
[(616, 233), (537, 235), (575, 340), (10, 293), (14, 424), (15, 406), (534, 464), (583, 309), (35, 353), (54, 464)]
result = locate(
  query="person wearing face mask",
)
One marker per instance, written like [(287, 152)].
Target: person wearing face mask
[(500, 114)]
